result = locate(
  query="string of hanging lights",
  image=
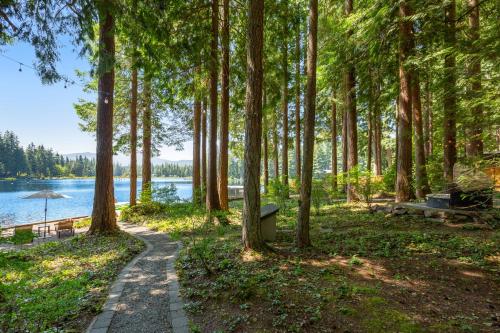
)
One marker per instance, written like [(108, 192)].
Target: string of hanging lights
[(66, 81)]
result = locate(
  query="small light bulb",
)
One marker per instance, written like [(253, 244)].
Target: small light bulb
[(20, 68), (106, 100)]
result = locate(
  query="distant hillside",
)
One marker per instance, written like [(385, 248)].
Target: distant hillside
[(125, 160)]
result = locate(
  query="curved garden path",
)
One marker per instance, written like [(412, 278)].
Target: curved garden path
[(145, 296)]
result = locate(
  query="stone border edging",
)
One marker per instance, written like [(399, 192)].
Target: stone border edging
[(101, 322), (178, 317)]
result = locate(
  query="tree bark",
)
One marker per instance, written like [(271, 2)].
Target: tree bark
[(103, 212), (449, 95), (352, 125), (428, 118), (334, 142), (404, 147), (265, 133), (251, 233), (204, 151), (344, 148), (213, 202), (196, 151), (224, 116), (297, 104), (422, 185), (146, 140), (276, 147), (378, 134), (370, 136), (133, 140), (475, 132), (284, 103), (303, 238), (266, 159), (397, 130)]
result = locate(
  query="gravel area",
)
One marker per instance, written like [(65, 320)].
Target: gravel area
[(144, 303)]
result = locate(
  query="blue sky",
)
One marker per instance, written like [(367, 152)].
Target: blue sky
[(44, 114)]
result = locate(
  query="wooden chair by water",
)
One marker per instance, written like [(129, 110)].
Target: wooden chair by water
[(66, 225)]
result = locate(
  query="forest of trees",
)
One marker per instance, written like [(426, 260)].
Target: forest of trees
[(407, 88), (41, 162), (38, 161), (172, 170)]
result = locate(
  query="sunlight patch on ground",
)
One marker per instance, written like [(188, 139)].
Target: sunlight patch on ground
[(369, 270), (472, 274), (250, 256)]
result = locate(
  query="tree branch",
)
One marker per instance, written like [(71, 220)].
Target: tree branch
[(6, 18)]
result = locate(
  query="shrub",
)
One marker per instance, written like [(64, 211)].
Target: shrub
[(319, 194), (279, 192), (389, 178), (86, 222), (368, 185), (146, 195), (142, 209), (22, 237), (166, 194)]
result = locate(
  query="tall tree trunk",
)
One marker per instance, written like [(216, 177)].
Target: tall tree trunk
[(251, 233), (284, 102), (196, 151), (213, 202), (204, 151), (146, 140), (334, 141), (103, 212), (265, 133), (276, 147), (224, 116), (475, 144), (422, 185), (303, 239), (344, 148), (369, 144), (428, 118), (297, 103), (449, 95), (266, 158), (378, 134), (397, 131), (133, 139), (352, 125), (404, 158)]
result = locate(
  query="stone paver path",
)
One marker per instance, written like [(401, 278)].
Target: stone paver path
[(145, 297)]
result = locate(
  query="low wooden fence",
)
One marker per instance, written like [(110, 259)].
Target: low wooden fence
[(38, 223)]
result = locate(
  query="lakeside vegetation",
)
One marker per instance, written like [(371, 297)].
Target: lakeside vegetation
[(60, 286)]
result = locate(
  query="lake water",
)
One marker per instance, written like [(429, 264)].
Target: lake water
[(16, 210)]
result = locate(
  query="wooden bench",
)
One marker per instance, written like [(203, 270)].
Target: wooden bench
[(24, 229), (66, 225), (268, 222)]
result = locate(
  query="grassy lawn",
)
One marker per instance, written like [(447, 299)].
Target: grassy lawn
[(365, 273), (60, 286)]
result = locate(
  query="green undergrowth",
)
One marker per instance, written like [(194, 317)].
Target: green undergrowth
[(177, 219), (83, 223), (59, 286), (321, 289), (20, 237)]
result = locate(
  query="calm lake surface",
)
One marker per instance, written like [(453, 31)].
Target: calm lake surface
[(16, 210)]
